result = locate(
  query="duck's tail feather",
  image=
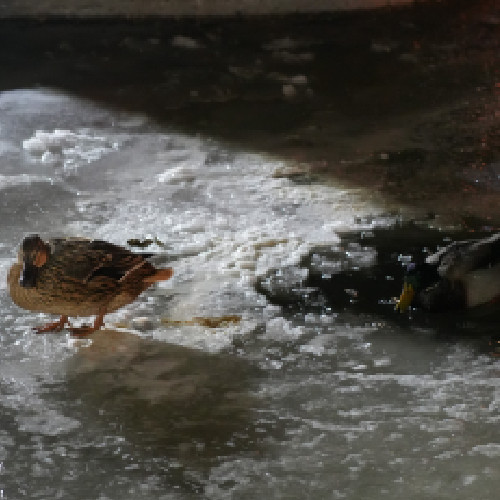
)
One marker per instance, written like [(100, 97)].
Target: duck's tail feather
[(160, 275)]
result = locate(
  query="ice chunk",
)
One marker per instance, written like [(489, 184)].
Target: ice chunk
[(69, 148), (280, 328)]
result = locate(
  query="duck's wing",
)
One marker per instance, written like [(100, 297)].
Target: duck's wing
[(71, 259), (116, 262), (85, 260), (459, 258)]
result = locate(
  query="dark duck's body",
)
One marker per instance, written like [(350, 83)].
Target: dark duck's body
[(462, 275), (79, 277)]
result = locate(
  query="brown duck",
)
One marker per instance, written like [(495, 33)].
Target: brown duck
[(78, 277)]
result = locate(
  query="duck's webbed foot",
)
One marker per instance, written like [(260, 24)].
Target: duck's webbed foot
[(57, 326), (86, 330)]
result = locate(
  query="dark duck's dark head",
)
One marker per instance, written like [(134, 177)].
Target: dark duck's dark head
[(418, 277)]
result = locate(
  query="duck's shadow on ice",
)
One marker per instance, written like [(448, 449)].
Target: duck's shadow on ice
[(163, 397)]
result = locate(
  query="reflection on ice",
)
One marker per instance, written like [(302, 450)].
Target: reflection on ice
[(118, 365)]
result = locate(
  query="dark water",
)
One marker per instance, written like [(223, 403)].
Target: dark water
[(287, 169)]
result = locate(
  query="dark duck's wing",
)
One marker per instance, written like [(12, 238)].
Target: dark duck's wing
[(460, 258)]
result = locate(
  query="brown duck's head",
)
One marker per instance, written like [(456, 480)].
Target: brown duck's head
[(33, 254)]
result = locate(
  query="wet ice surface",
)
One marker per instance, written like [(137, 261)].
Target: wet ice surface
[(312, 387), (285, 402)]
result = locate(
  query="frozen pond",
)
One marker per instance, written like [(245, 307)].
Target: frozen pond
[(273, 364)]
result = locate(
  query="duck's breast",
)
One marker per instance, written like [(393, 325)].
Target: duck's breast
[(482, 285), (50, 300)]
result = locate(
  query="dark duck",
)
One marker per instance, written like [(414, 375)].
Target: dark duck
[(461, 275)]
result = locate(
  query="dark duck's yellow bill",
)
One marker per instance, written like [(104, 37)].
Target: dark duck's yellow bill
[(406, 297)]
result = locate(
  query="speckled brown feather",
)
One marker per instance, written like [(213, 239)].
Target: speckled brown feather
[(85, 277)]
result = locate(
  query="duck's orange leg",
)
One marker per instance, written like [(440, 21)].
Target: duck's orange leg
[(57, 326), (84, 331)]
